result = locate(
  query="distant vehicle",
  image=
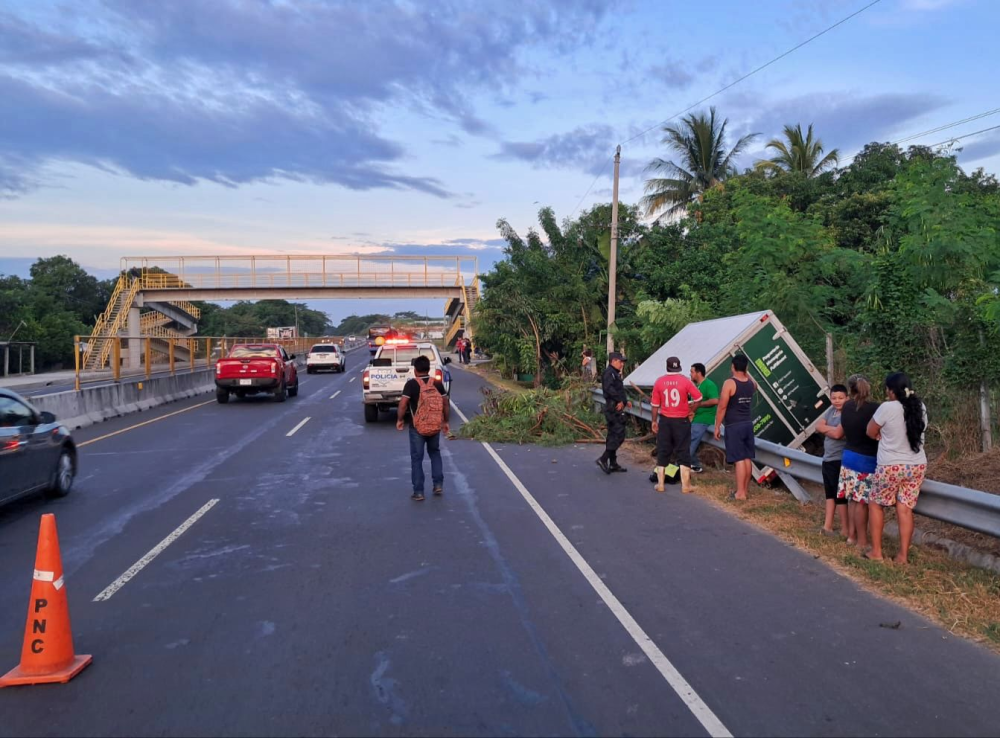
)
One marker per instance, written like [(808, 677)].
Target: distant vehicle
[(383, 332), (325, 356), (253, 368), (352, 339), (37, 453), (382, 383)]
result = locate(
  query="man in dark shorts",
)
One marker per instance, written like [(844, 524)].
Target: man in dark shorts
[(615, 402), (672, 397), (735, 412)]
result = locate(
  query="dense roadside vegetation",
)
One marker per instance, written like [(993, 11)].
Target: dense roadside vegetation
[(896, 254)]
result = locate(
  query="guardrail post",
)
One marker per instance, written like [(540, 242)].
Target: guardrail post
[(149, 357), (191, 351), (171, 345), (76, 361), (116, 354)]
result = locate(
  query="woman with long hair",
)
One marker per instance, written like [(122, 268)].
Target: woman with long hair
[(859, 457), (899, 426)]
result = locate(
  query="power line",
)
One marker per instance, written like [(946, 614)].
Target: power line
[(938, 129), (949, 125), (966, 135), (604, 168), (751, 73), (732, 84)]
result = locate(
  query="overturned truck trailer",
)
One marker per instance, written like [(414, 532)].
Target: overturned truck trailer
[(792, 395)]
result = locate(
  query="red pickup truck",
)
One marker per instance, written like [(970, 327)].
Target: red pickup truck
[(258, 367)]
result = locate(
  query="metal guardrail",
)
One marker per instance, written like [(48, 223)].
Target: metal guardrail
[(949, 503)]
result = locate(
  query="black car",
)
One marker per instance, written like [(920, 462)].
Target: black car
[(36, 452)]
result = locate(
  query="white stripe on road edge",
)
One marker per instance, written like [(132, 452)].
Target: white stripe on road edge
[(334, 395), (294, 430), (153, 553), (678, 683), (353, 378)]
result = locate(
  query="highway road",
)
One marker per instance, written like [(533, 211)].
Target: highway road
[(311, 596)]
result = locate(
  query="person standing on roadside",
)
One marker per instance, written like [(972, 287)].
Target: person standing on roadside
[(467, 349), (833, 452), (671, 400), (615, 403), (588, 366), (702, 411), (734, 411), (428, 407), (899, 424), (460, 350), (857, 467)]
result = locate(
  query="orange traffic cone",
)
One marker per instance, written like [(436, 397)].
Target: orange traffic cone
[(47, 655)]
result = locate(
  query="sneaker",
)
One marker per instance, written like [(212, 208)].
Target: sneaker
[(438, 491), (698, 469), (417, 497), (617, 468), (604, 466)]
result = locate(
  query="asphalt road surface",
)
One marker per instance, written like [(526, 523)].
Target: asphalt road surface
[(536, 597)]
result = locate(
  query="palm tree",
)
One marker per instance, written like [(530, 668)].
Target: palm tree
[(701, 142), (798, 153)]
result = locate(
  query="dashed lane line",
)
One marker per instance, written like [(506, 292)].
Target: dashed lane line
[(295, 430), (147, 422), (334, 395), (702, 712), (353, 378), (153, 553)]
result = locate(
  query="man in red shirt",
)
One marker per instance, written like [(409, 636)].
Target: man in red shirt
[(671, 395)]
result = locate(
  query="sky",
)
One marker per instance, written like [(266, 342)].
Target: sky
[(216, 127)]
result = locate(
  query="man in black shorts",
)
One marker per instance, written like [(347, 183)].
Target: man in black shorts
[(735, 412)]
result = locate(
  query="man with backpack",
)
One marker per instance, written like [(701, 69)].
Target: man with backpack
[(424, 398)]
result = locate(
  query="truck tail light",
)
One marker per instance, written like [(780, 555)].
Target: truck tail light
[(438, 376), (365, 379), (274, 367)]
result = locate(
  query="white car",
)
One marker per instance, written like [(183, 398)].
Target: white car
[(383, 381), (325, 356)]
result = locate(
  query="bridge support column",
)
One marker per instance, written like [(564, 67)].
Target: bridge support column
[(134, 360)]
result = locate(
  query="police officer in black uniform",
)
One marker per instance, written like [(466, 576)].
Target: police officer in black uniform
[(614, 412)]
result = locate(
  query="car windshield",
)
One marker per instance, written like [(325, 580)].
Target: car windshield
[(324, 349), (253, 352), (406, 355)]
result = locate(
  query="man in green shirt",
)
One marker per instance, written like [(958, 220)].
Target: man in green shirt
[(702, 412)]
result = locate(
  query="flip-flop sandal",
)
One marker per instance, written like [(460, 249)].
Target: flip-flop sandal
[(865, 555), (829, 533), (732, 494)]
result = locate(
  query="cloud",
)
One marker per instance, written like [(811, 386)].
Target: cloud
[(979, 148), (586, 148), (841, 120), (678, 75), (235, 91)]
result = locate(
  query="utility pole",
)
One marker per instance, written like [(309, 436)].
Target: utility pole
[(613, 256)]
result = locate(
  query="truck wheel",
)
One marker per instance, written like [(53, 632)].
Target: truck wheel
[(309, 370), (293, 391), (371, 413), (221, 395), (281, 392)]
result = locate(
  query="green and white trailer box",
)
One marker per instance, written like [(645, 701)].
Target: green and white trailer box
[(792, 394)]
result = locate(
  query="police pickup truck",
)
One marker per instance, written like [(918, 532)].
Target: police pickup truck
[(383, 381)]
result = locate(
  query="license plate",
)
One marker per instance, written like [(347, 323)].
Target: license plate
[(246, 381)]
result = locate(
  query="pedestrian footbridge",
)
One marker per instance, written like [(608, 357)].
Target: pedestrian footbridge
[(154, 295)]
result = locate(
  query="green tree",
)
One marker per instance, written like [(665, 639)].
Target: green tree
[(799, 153), (705, 161)]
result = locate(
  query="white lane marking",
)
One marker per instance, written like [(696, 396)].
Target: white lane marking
[(334, 395), (295, 430), (678, 683), (354, 377), (153, 553)]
